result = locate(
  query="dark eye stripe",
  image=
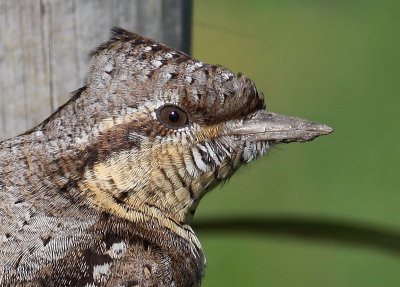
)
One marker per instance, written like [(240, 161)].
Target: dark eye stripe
[(172, 117)]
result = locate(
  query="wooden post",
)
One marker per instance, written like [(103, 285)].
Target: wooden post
[(44, 46)]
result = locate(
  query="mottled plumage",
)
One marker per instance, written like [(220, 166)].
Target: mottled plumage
[(103, 191)]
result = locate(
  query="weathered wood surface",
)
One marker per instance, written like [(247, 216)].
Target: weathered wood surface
[(44, 46)]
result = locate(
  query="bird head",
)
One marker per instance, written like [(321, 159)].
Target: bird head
[(165, 128)]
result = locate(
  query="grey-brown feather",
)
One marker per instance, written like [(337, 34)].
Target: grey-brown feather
[(50, 237), (101, 193)]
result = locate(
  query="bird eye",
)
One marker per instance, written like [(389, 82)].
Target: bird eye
[(172, 117)]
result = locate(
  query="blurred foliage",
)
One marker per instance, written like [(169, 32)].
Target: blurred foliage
[(335, 62)]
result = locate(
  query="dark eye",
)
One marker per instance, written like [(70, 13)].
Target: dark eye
[(172, 117)]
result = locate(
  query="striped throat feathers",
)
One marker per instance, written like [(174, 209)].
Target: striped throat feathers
[(156, 129)]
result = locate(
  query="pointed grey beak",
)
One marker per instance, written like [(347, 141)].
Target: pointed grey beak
[(266, 126)]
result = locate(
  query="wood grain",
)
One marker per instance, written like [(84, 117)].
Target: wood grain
[(44, 46)]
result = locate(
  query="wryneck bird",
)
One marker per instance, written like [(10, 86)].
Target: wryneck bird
[(102, 193)]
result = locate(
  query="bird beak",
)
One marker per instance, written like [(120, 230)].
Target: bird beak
[(266, 126)]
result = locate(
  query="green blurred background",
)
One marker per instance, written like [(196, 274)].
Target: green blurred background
[(336, 62)]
